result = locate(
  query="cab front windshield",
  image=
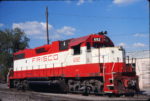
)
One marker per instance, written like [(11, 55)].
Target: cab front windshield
[(98, 45), (105, 43), (98, 42)]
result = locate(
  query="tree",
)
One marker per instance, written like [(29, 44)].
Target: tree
[(11, 40)]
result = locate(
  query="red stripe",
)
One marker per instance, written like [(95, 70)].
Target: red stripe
[(85, 70)]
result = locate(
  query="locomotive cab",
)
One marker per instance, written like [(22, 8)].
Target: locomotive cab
[(91, 41)]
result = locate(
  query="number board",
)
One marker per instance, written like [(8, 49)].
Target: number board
[(96, 39)]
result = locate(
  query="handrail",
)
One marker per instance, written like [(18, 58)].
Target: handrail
[(103, 70), (112, 70), (113, 66)]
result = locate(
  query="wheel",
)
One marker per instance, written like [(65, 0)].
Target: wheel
[(63, 87), (86, 91), (25, 85), (98, 87)]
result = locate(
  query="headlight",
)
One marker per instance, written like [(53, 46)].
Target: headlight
[(132, 83)]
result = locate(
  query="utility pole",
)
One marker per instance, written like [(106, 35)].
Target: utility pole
[(149, 32), (149, 28), (47, 25)]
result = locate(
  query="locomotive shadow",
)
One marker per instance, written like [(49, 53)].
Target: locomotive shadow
[(46, 89)]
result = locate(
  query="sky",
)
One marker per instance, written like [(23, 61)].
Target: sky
[(126, 21)]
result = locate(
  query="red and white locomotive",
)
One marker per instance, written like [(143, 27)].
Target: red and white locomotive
[(89, 64)]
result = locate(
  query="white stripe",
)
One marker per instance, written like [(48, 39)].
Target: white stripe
[(66, 58)]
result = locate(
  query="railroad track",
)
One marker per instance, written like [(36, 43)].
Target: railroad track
[(15, 95)]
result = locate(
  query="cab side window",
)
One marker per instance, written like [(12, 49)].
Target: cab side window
[(76, 50), (19, 56), (88, 46)]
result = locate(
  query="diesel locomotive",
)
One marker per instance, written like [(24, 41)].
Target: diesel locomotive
[(90, 64)]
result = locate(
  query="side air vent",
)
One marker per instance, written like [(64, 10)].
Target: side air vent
[(19, 56), (40, 50), (63, 45)]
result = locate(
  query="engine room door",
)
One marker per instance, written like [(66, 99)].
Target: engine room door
[(88, 57), (88, 53)]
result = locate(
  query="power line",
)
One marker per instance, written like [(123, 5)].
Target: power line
[(149, 31), (103, 17), (50, 0)]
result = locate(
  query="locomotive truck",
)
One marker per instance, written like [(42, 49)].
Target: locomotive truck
[(90, 64)]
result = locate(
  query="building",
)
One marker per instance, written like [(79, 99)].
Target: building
[(142, 65)]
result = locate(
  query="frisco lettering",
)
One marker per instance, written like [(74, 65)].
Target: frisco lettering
[(45, 58)]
